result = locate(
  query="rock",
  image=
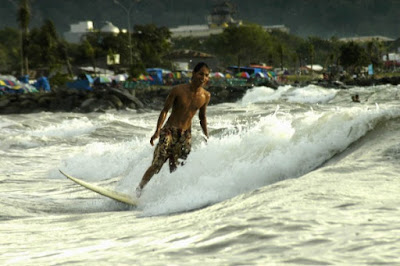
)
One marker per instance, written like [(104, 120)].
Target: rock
[(128, 97), (4, 102), (116, 102), (88, 105)]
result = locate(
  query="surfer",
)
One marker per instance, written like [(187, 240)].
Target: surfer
[(175, 136), (355, 98)]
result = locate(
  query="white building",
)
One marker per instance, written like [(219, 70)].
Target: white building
[(391, 57), (367, 39), (197, 31), (78, 30), (270, 28), (109, 28)]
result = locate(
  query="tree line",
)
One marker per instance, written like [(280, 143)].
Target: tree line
[(41, 48), (342, 18)]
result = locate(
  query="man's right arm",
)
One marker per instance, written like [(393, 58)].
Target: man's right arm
[(163, 114)]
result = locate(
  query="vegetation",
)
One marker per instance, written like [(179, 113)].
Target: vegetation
[(24, 16), (41, 48), (304, 18)]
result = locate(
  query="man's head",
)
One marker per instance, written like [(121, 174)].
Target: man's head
[(201, 74), (199, 66)]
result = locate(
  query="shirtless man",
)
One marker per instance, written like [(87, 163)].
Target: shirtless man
[(175, 135)]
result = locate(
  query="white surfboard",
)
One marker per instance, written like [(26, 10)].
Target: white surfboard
[(118, 196)]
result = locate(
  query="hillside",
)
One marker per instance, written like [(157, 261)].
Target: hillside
[(328, 18)]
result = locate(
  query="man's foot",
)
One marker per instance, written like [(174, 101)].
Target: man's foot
[(138, 192)]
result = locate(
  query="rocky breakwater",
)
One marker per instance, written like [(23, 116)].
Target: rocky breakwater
[(102, 99), (69, 100)]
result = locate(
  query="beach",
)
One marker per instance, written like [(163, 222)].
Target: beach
[(298, 175)]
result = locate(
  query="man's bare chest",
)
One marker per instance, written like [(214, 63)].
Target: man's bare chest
[(192, 101)]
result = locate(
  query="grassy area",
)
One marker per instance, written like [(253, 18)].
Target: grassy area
[(299, 78), (387, 75)]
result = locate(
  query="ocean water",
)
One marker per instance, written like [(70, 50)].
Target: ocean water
[(294, 176)]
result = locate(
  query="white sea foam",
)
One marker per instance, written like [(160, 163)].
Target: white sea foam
[(278, 147), (310, 94)]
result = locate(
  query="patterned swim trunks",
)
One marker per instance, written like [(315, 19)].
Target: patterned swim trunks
[(174, 144)]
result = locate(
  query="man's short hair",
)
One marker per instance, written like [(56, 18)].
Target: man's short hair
[(199, 66)]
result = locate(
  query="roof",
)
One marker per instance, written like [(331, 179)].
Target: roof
[(188, 54)]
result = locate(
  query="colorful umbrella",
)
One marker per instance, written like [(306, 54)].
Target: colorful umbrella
[(243, 74), (177, 75), (258, 75), (142, 77), (218, 75)]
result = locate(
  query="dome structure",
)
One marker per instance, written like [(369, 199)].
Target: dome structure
[(109, 28)]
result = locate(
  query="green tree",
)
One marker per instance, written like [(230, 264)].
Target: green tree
[(152, 44), (353, 56), (89, 53), (190, 43), (43, 48), (10, 50), (375, 51), (63, 53), (279, 50), (242, 45), (23, 18)]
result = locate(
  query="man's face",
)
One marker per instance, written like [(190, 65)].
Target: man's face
[(201, 77)]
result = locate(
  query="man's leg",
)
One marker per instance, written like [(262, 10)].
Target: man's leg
[(159, 157), (147, 176)]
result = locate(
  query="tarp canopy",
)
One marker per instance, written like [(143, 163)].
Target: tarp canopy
[(102, 79), (314, 67), (262, 66), (10, 84), (98, 70)]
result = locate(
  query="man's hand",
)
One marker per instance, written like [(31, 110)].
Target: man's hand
[(155, 136)]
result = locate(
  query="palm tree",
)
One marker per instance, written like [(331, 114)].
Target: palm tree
[(23, 18)]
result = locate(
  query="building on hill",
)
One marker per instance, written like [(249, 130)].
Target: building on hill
[(221, 17), (74, 35), (108, 27), (271, 28), (367, 39), (80, 29), (196, 31)]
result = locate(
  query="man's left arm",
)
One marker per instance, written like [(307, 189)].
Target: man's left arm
[(203, 116)]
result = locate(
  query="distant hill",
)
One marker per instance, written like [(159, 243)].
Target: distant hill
[(323, 18)]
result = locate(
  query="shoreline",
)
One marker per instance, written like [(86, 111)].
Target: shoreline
[(152, 98)]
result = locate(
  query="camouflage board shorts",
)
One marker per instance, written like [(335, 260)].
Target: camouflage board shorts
[(174, 144)]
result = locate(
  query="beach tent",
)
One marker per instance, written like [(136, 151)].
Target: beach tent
[(88, 78), (42, 83), (102, 79), (157, 75)]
